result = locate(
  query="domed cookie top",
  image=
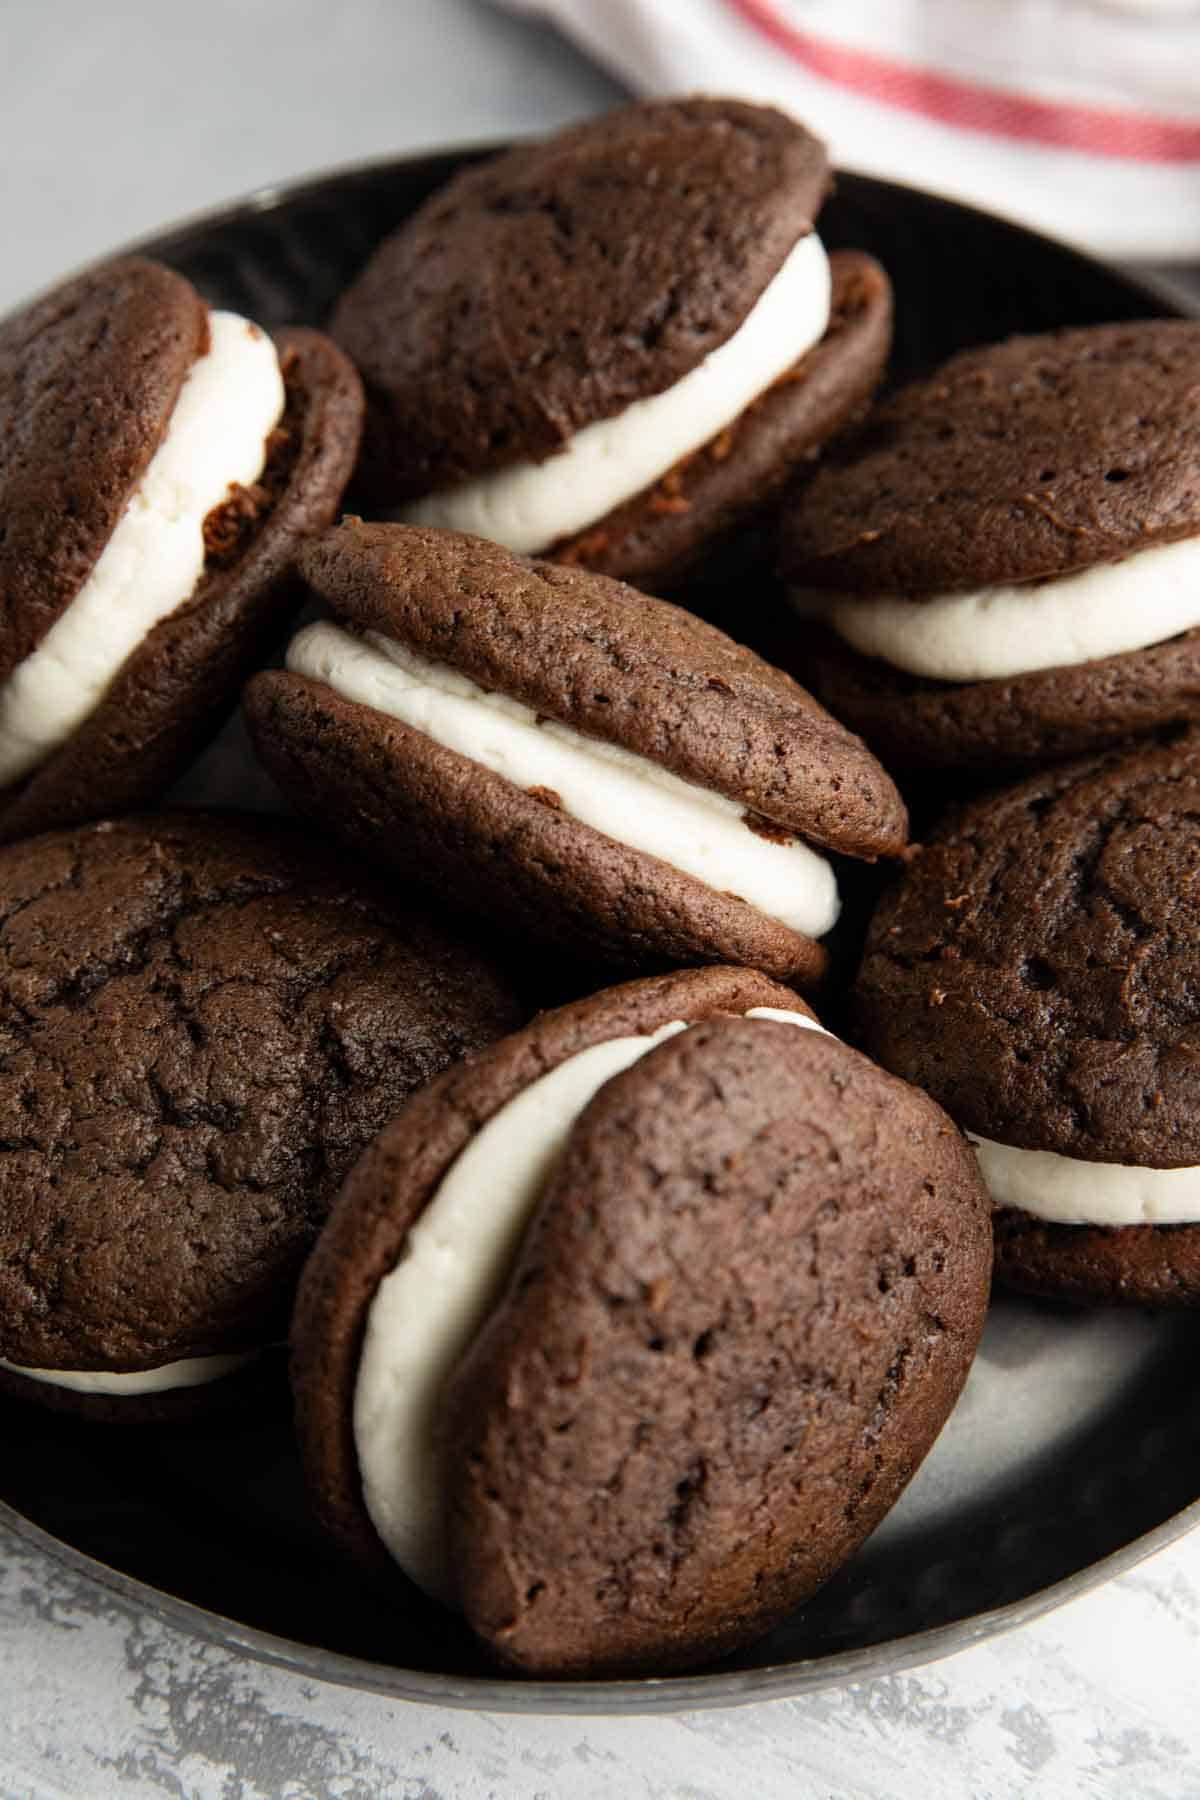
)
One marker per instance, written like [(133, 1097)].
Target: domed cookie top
[(1036, 969), (202, 1022), (591, 1450), (1009, 550), (1012, 463), (158, 465), (578, 759), (557, 328), (607, 260)]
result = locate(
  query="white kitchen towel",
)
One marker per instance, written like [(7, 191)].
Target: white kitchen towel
[(1079, 117)]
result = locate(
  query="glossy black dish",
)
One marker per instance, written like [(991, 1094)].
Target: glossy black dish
[(1076, 1449)]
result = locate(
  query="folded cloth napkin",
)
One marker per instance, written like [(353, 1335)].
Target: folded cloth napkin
[(1079, 117)]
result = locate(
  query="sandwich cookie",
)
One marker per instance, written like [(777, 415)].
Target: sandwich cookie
[(613, 345), (1037, 970), (203, 1020), (626, 1332), (159, 464), (1007, 558), (578, 762)]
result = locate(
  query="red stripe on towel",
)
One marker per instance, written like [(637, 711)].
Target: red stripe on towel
[(973, 106)]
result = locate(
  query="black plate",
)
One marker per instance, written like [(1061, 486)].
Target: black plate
[(1076, 1448)]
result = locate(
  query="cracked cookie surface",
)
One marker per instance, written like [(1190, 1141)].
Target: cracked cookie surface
[(203, 1019), (1037, 966)]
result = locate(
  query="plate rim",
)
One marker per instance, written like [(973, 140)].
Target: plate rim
[(641, 1695), (270, 196), (615, 1698)]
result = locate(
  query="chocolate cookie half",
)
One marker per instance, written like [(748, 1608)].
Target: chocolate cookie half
[(582, 763), (203, 1020), (1037, 970), (1007, 558), (625, 1333), (614, 344), (159, 465)]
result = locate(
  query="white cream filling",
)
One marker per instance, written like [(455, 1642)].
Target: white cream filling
[(626, 797), (1000, 631), (530, 505), (456, 1259), (1068, 1191), (229, 403), (191, 1371)]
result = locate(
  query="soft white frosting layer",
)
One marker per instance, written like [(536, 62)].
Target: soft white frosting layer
[(626, 797), (1068, 1191), (1103, 611), (191, 1371), (786, 1018), (428, 1310), (532, 504), (228, 405)]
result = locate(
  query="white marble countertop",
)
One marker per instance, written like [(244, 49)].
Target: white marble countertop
[(1097, 1700), (114, 121)]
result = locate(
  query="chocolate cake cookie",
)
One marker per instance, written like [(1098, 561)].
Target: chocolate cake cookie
[(1037, 970), (627, 1331), (159, 465), (1007, 558), (203, 1020), (613, 345), (579, 762)]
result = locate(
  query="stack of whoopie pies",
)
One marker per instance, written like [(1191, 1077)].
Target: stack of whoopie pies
[(616, 1328)]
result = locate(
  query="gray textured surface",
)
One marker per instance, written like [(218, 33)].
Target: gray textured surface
[(1097, 1700), (120, 118), (114, 121)]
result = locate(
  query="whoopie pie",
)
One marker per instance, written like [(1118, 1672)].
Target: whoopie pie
[(581, 763), (625, 1332), (159, 464), (613, 345), (1007, 558)]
